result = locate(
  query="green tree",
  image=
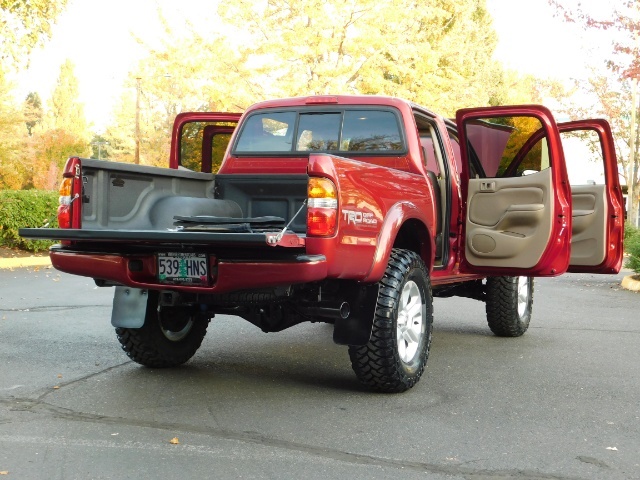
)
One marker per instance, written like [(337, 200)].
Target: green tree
[(64, 133), (121, 132), (155, 109), (51, 149), (616, 94), (100, 147), (437, 54), (66, 112), (33, 112), (25, 25)]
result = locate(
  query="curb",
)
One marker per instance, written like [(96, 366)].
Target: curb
[(20, 262), (630, 283)]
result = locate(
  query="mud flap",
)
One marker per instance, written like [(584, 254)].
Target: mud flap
[(356, 328), (129, 307)]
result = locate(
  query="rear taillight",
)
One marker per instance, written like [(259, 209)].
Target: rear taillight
[(69, 210), (322, 207)]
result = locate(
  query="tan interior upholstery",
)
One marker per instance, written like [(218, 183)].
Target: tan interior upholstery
[(509, 220), (588, 235)]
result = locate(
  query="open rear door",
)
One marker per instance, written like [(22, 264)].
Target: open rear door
[(516, 211), (597, 213), (200, 139)]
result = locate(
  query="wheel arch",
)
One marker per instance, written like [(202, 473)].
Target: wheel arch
[(405, 227)]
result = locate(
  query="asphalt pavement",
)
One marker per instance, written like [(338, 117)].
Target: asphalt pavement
[(561, 402)]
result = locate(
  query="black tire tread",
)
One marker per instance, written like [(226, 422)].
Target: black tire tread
[(375, 364), (501, 307), (146, 350), (149, 347)]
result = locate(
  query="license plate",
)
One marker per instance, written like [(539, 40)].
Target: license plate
[(183, 268)]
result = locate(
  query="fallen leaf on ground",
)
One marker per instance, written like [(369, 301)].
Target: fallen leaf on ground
[(174, 441)]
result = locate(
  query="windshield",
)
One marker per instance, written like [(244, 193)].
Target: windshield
[(363, 130)]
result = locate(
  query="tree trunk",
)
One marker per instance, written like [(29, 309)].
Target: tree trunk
[(632, 173), (632, 194)]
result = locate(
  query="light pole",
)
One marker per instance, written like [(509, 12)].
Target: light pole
[(136, 158), (100, 144)]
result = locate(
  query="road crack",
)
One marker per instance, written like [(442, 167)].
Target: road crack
[(52, 308), (255, 438)]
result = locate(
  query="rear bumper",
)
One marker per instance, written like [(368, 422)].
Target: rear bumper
[(140, 271)]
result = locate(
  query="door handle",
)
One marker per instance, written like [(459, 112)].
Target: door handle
[(487, 186)]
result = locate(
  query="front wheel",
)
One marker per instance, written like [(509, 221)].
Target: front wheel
[(397, 352), (509, 305), (169, 337)]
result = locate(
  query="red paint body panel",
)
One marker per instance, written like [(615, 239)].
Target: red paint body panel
[(386, 198)]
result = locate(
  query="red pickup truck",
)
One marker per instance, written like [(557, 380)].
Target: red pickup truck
[(350, 210)]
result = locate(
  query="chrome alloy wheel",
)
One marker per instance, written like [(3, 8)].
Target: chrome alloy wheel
[(409, 323), (523, 295), (175, 324), (179, 335)]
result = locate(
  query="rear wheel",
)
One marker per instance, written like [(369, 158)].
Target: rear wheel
[(509, 305), (397, 352), (169, 337)]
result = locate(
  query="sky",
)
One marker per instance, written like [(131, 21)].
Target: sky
[(98, 37)]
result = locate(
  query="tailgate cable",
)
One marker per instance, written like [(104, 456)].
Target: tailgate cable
[(284, 230)]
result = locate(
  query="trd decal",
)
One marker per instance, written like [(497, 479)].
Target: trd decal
[(357, 217)]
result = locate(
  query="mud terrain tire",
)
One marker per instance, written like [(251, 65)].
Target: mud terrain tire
[(509, 305), (397, 352), (169, 337)]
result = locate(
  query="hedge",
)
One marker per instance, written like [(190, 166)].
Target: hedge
[(26, 208), (632, 247)]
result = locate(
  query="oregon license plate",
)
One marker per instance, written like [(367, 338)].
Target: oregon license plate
[(183, 268)]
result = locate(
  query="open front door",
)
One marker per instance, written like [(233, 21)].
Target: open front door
[(597, 213), (516, 211)]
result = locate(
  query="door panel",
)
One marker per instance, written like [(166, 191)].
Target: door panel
[(510, 220), (516, 217), (597, 213), (589, 233)]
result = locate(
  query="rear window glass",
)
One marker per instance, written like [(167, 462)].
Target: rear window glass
[(370, 131)]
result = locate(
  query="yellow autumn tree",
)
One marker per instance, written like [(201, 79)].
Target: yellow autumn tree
[(64, 133)]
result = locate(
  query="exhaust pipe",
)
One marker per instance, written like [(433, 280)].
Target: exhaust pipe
[(342, 312)]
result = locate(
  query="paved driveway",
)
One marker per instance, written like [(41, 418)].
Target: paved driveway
[(559, 403)]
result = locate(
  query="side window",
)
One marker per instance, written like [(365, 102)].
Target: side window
[(429, 150), (203, 144), (583, 156), (507, 146)]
